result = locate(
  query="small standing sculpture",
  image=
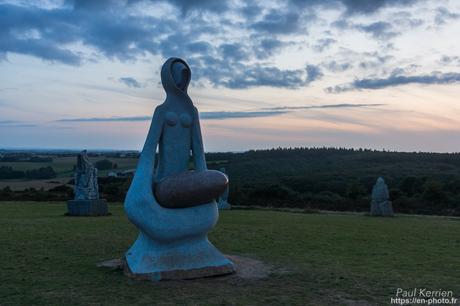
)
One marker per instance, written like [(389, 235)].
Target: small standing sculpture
[(381, 204), (86, 201), (86, 187), (222, 202), (172, 217)]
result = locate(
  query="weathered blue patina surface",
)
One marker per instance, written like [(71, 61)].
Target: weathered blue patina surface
[(173, 242), (381, 204), (86, 201)]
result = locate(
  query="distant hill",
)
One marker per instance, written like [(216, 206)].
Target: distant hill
[(342, 179), (305, 178)]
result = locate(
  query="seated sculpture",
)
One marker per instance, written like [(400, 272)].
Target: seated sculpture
[(381, 204), (172, 241), (86, 201)]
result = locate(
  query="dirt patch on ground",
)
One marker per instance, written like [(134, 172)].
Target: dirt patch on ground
[(249, 268)]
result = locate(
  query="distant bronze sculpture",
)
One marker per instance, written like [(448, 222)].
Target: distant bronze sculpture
[(381, 204), (172, 207), (86, 201)]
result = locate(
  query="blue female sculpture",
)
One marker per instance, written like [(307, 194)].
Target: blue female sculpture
[(172, 243)]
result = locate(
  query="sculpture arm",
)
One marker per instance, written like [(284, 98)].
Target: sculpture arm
[(197, 144), (143, 178), (140, 202)]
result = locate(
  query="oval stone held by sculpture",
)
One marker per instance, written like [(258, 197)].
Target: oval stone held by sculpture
[(190, 188)]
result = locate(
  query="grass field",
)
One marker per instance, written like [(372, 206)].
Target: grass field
[(327, 259)]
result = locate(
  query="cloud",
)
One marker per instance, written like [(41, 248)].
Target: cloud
[(278, 22), (234, 52), (49, 33), (220, 115), (203, 115), (443, 15), (202, 5), (106, 119), (334, 66), (246, 38), (267, 47), (445, 59), (342, 105), (379, 30), (4, 122), (370, 7), (130, 82), (252, 76), (323, 44), (15, 124), (247, 114), (355, 7), (313, 73), (397, 80)]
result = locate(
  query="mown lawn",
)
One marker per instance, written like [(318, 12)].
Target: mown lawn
[(319, 259)]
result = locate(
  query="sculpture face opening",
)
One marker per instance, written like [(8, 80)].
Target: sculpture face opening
[(181, 75), (173, 208)]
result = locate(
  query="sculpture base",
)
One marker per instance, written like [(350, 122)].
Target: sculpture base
[(87, 208), (382, 209), (190, 258), (180, 274)]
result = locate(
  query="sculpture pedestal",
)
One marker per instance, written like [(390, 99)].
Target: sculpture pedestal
[(384, 209), (186, 259), (87, 208), (180, 274)]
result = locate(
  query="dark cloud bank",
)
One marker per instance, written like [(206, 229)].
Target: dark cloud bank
[(131, 82), (397, 80), (116, 30)]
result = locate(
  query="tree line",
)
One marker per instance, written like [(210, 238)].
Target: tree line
[(330, 179)]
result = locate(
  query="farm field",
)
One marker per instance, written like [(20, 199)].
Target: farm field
[(63, 165)]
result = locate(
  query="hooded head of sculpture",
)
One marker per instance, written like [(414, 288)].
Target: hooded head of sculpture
[(83, 161), (175, 76), (380, 180)]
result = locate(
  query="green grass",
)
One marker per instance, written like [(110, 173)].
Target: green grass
[(321, 259)]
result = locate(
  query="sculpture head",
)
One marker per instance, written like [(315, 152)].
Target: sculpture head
[(175, 75), (380, 191), (82, 161)]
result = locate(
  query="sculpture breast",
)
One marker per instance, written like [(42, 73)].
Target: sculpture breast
[(171, 118), (186, 120)]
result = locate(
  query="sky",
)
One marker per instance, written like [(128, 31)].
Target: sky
[(382, 74)]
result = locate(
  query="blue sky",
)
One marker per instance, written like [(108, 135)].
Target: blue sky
[(381, 74)]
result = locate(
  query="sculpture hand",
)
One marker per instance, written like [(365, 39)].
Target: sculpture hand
[(197, 144)]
